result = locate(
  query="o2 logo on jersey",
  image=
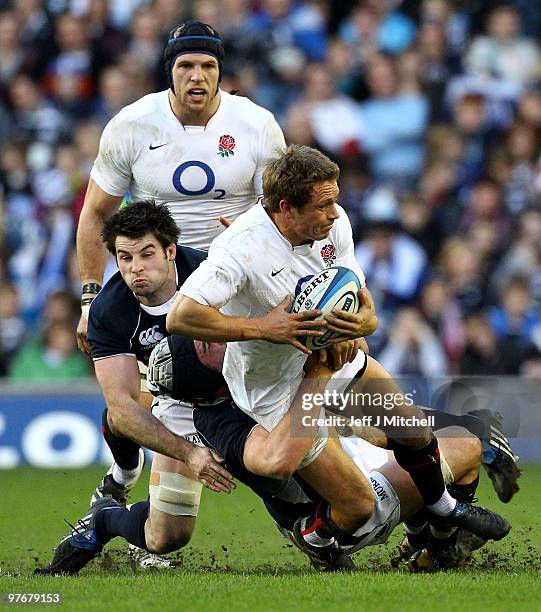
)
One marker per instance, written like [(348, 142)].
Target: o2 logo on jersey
[(209, 177)]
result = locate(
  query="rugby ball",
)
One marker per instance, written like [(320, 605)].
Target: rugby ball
[(332, 288)]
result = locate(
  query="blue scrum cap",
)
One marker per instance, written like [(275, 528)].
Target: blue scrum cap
[(192, 37)]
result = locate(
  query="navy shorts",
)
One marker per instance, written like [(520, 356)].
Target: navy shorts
[(225, 428)]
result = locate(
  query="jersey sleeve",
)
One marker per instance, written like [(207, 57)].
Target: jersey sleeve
[(270, 143), (106, 339), (345, 247), (217, 279), (112, 168)]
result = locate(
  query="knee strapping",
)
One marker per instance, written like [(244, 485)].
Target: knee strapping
[(448, 476), (174, 494)]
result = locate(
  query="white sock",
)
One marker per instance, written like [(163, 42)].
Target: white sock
[(445, 504), (124, 477), (442, 534), (315, 540), (414, 530)]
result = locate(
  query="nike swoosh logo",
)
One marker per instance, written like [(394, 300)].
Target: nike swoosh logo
[(152, 147), (273, 273)]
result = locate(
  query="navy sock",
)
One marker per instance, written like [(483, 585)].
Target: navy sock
[(125, 451), (129, 524), (464, 493), (423, 465)]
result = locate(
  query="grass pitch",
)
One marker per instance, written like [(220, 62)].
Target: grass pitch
[(238, 561)]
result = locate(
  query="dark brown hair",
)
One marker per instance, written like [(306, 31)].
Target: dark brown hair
[(136, 219), (293, 174)]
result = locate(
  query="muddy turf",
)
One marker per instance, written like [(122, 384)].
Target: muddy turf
[(238, 561)]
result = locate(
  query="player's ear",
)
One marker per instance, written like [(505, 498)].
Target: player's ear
[(171, 251), (285, 207)]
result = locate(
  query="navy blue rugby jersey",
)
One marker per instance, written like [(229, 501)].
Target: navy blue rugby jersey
[(119, 324)]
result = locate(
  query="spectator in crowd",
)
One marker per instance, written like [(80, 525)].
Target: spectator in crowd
[(377, 25), (12, 325), (522, 143), (482, 354), (108, 42), (435, 67), (35, 118), (443, 314), (394, 146), (286, 23), (413, 347), (523, 255), (36, 35), (515, 318), (394, 264), (12, 55), (51, 358), (485, 223), (503, 52), (319, 106), (115, 92), (146, 39), (471, 117), (62, 305), (69, 79), (432, 110), (418, 221), (462, 264)]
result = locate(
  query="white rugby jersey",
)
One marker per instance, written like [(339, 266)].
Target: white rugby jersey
[(250, 269), (201, 173)]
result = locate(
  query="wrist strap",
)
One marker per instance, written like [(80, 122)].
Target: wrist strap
[(89, 292), (92, 288)]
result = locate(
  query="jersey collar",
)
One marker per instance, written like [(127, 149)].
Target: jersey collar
[(301, 249), (173, 120)]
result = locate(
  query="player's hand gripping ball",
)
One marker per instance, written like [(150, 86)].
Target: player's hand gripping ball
[(333, 288)]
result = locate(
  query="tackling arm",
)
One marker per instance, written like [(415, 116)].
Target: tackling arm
[(119, 379), (279, 453), (91, 252)]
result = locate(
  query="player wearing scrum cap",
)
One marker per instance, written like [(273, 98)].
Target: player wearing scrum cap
[(193, 147), (252, 269)]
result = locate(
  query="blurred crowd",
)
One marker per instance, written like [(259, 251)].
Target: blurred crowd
[(432, 108)]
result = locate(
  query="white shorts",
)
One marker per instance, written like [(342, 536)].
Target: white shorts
[(366, 456), (177, 417), (386, 516)]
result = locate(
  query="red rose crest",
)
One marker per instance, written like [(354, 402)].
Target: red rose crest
[(328, 254), (226, 145)]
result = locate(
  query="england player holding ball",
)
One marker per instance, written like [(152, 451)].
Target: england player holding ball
[(196, 149), (241, 295)]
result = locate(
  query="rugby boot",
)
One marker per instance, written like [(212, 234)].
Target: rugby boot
[(504, 472), (431, 559), (108, 487), (499, 460), (330, 558), (445, 553), (480, 521), (147, 560), (410, 543), (467, 542), (81, 545)]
